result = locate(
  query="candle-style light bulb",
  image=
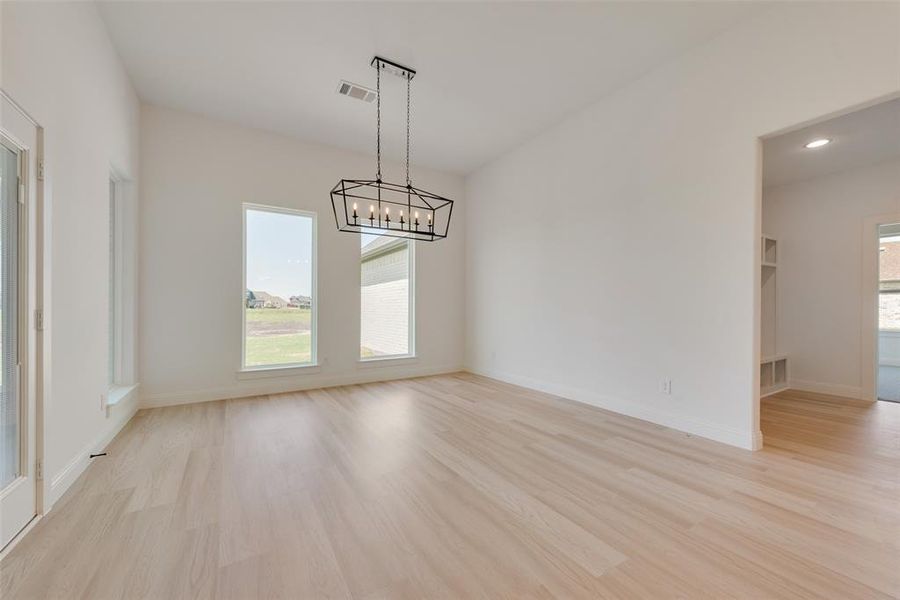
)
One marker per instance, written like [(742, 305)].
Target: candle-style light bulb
[(354, 211), (387, 215)]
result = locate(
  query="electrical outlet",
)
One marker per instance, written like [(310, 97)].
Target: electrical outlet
[(665, 386)]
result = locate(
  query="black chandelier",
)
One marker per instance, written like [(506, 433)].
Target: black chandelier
[(378, 207)]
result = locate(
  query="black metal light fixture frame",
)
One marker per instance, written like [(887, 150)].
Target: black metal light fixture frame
[(390, 209), (379, 207)]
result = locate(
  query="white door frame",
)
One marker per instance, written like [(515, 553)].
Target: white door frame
[(869, 318), (20, 130), (869, 305)]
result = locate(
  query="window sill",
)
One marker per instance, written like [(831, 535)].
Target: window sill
[(387, 361), (118, 393), (279, 371)]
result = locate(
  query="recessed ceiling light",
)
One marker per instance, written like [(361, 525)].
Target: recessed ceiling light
[(818, 143)]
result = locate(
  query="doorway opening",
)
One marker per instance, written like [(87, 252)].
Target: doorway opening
[(829, 261)]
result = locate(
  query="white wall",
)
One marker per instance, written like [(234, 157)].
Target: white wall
[(620, 247), (819, 227), (196, 173), (59, 65)]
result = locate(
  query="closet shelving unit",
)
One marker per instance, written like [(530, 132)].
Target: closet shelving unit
[(773, 367)]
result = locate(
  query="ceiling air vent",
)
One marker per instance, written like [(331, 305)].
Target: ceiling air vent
[(357, 91)]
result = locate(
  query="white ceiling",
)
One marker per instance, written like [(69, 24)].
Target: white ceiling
[(864, 137), (491, 75)]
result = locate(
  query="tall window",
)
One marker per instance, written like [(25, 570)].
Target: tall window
[(122, 262), (386, 297), (114, 315), (279, 287)]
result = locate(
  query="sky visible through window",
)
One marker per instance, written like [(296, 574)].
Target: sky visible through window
[(279, 257), (278, 312)]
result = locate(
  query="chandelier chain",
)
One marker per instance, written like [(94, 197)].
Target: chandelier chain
[(408, 79), (378, 110), (420, 215)]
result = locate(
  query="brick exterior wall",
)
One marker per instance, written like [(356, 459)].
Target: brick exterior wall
[(384, 323)]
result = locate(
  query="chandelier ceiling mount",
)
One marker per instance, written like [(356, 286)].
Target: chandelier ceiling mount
[(365, 205)]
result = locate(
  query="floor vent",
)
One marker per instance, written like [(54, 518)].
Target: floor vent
[(356, 91)]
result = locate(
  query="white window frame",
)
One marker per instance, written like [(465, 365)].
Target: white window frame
[(411, 326), (115, 281), (282, 368), (122, 278)]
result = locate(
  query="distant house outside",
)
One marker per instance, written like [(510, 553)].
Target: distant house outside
[(300, 302), (258, 299), (253, 301)]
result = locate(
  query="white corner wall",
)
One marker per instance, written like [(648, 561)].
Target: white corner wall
[(620, 247), (819, 227), (59, 65), (196, 173)]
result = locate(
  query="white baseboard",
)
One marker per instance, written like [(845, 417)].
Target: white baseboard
[(118, 416), (774, 390), (832, 389), (279, 385), (733, 437)]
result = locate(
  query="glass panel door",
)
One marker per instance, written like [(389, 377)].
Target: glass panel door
[(19, 191), (10, 410)]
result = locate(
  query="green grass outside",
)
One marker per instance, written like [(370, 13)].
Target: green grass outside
[(298, 316), (278, 349), (277, 336)]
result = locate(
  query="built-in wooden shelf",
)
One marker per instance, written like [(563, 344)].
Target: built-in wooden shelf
[(773, 370), (773, 375), (769, 249)]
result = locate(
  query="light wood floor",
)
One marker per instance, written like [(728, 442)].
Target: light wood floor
[(462, 487)]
